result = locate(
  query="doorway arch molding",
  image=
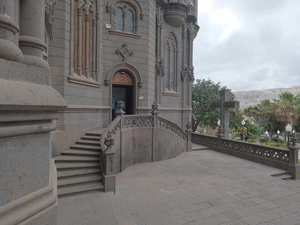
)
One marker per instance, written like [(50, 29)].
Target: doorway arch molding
[(129, 68)]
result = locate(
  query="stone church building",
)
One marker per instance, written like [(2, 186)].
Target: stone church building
[(64, 66)]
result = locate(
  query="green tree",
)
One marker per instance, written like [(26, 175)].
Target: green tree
[(286, 108), (205, 92), (263, 114)]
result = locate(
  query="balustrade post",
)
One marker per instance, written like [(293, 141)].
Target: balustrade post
[(189, 132), (293, 152), (293, 160), (108, 177), (155, 113), (220, 136), (120, 112)]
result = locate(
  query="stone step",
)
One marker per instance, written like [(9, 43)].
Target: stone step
[(82, 188), (283, 176), (77, 152), (85, 147), (94, 133), (88, 142), (76, 172), (78, 180), (69, 166), (67, 158), (92, 138)]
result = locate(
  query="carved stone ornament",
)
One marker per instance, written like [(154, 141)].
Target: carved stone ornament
[(154, 108), (49, 16), (88, 6), (140, 84), (106, 82), (188, 72), (124, 52), (159, 67)]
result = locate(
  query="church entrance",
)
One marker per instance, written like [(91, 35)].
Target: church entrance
[(123, 90)]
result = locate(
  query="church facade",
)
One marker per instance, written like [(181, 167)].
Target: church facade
[(63, 66)]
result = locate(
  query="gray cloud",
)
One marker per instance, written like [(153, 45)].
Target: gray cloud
[(262, 52)]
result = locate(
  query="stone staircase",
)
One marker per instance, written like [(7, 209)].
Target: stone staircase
[(78, 168)]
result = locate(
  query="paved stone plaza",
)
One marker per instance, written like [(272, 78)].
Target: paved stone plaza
[(199, 187)]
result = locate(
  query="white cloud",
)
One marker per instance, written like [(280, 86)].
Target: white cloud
[(248, 45)]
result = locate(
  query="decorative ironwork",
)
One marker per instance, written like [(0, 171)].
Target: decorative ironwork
[(205, 140), (168, 125), (140, 121)]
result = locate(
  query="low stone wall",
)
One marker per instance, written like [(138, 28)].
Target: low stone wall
[(136, 139), (285, 159)]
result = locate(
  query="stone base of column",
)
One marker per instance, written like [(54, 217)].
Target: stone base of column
[(33, 50), (8, 49)]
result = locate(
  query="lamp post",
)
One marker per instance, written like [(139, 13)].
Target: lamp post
[(278, 132), (267, 137), (243, 125), (288, 129)]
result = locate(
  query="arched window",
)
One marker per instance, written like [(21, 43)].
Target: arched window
[(129, 21), (119, 19), (84, 38), (170, 63), (125, 18)]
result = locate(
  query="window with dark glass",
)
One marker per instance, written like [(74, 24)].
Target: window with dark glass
[(119, 19), (125, 19)]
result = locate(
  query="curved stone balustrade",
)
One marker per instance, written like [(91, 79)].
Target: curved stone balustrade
[(168, 125)]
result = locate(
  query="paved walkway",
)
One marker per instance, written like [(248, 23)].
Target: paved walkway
[(200, 187)]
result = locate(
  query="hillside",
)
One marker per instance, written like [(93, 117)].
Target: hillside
[(251, 98)]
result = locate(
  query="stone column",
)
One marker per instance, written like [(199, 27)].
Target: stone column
[(8, 31), (79, 37), (94, 46), (32, 31), (87, 8)]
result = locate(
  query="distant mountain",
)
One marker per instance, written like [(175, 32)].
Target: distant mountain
[(251, 98)]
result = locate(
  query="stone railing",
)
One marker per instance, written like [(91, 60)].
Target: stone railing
[(131, 139), (168, 125), (285, 159)]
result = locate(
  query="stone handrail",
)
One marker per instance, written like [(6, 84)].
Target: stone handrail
[(285, 159), (113, 127), (274, 153), (138, 121), (174, 128), (210, 141)]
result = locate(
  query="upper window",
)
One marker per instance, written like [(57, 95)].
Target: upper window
[(170, 63), (84, 44), (124, 17)]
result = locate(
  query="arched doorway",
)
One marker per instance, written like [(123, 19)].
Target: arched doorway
[(123, 90)]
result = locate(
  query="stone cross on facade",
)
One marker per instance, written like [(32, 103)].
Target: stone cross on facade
[(224, 106)]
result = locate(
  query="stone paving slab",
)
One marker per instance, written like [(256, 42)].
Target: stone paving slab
[(96, 208), (208, 187), (196, 147), (200, 187)]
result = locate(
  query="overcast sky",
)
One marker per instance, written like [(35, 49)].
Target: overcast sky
[(248, 44)]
